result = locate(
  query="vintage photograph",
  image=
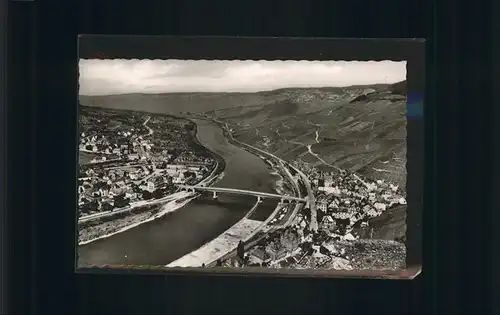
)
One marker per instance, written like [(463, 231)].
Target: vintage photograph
[(242, 163)]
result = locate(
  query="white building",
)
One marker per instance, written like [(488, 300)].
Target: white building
[(322, 206), (172, 172), (178, 167), (330, 190), (103, 192), (133, 157), (328, 222), (131, 196), (151, 186), (328, 181), (179, 179), (333, 205)]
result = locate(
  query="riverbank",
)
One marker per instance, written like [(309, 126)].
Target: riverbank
[(220, 246), (100, 230), (221, 163), (105, 227)]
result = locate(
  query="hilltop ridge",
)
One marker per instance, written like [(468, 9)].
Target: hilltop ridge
[(206, 101)]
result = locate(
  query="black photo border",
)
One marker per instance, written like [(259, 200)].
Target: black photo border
[(247, 48)]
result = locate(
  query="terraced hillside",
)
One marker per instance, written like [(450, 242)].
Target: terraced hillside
[(361, 129)]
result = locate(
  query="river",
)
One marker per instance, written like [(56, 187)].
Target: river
[(164, 240)]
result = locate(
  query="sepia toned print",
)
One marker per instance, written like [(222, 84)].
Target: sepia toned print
[(279, 164)]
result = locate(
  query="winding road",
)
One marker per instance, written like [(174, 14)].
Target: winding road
[(310, 196)]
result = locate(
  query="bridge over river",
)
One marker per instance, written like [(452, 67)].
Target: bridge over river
[(259, 195)]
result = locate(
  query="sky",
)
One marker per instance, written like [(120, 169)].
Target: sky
[(122, 76)]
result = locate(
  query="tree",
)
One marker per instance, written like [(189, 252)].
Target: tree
[(93, 205), (135, 188), (120, 201), (158, 193), (107, 207), (146, 195), (319, 216), (274, 249), (240, 250), (99, 185), (169, 188), (289, 240), (84, 209)]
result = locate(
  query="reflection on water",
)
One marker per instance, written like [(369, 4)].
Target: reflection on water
[(163, 241)]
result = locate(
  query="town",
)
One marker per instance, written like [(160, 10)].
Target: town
[(345, 203), (127, 157)]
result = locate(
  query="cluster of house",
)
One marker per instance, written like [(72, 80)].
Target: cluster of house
[(265, 142), (181, 173), (131, 182), (187, 157), (342, 199), (106, 185), (346, 196), (124, 143), (150, 167), (170, 133), (287, 248), (93, 143)]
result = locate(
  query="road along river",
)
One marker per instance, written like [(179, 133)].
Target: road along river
[(164, 240)]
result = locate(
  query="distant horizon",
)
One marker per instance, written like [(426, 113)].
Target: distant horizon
[(133, 76), (249, 92)]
